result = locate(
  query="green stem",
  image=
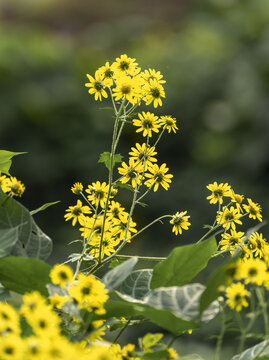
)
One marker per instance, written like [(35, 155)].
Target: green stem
[(221, 336), (262, 302), (151, 258), (121, 331)]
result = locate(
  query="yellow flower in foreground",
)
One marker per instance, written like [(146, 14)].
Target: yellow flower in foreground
[(169, 123), (77, 213), (131, 172), (253, 271), (237, 199), (155, 92), (254, 210), (11, 348), (218, 191), (158, 177), (77, 188), (152, 74), (125, 64), (144, 154), (61, 275), (14, 186), (231, 241), (128, 88), (108, 74), (229, 217), (180, 221), (147, 123), (237, 296), (256, 244), (97, 193), (96, 85)]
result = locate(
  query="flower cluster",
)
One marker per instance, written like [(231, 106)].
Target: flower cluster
[(12, 186)]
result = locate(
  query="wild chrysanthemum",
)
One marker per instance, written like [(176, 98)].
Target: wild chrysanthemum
[(252, 271), (13, 186), (229, 217), (125, 64), (147, 123), (61, 275), (11, 347), (93, 228), (77, 188), (97, 193), (119, 229), (44, 322), (127, 88), (108, 246), (97, 86), (116, 211), (256, 244), (152, 74), (32, 302), (253, 209), (57, 301), (237, 296), (218, 191), (180, 221), (231, 241), (3, 180), (108, 74), (169, 123), (131, 172), (9, 320), (237, 199), (158, 176), (76, 213), (154, 93), (144, 154)]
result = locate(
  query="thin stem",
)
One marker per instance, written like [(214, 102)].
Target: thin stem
[(172, 340), (260, 296), (150, 258), (159, 138), (121, 331), (221, 335)]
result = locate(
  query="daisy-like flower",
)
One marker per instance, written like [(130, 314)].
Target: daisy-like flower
[(13, 186), (61, 275), (232, 241), (77, 188), (57, 301), (154, 93), (143, 153), (116, 211), (119, 229), (77, 213), (93, 228), (131, 172), (152, 74), (158, 176), (256, 244), (32, 302), (108, 74), (3, 180), (96, 85), (9, 320), (128, 88), (11, 347), (97, 193), (253, 271), (180, 221), (237, 199), (125, 64), (218, 191), (253, 209), (229, 217), (147, 123), (108, 246), (169, 123), (237, 296)]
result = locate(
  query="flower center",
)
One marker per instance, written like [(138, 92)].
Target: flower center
[(62, 275), (77, 211), (218, 192), (109, 73), (147, 124), (126, 89), (155, 92), (124, 65), (98, 85), (252, 272), (158, 177), (85, 291)]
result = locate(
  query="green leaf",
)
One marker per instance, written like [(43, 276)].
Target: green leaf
[(142, 204), (124, 186), (4, 294), (5, 160), (156, 355), (150, 340), (105, 158), (183, 264), (136, 285), (218, 278), (24, 274), (43, 207), (261, 350), (163, 318), (116, 276), (115, 262), (28, 239)]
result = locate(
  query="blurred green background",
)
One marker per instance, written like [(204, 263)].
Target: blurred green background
[(214, 55)]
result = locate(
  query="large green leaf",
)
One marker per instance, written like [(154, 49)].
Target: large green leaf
[(136, 285), (183, 301), (259, 351), (28, 239), (43, 207), (5, 160), (183, 264), (105, 158), (116, 276), (24, 274)]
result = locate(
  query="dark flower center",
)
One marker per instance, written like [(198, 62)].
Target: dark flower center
[(158, 177), (109, 73), (124, 65), (85, 291), (147, 124), (155, 92), (126, 89), (98, 85), (62, 275), (77, 211)]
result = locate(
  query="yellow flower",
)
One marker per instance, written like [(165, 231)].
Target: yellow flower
[(180, 221), (152, 74), (128, 88), (116, 211), (256, 244), (3, 180), (232, 241), (93, 228), (158, 177), (169, 123), (143, 153), (14, 186), (96, 85), (44, 322), (32, 303), (237, 199), (124, 64), (108, 246), (35, 348), (131, 172), (9, 320), (58, 301), (237, 296), (77, 213), (61, 275), (154, 92), (108, 74), (119, 229), (253, 209), (218, 191), (172, 352), (98, 193), (11, 348), (253, 271), (77, 188), (229, 217), (147, 123)]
